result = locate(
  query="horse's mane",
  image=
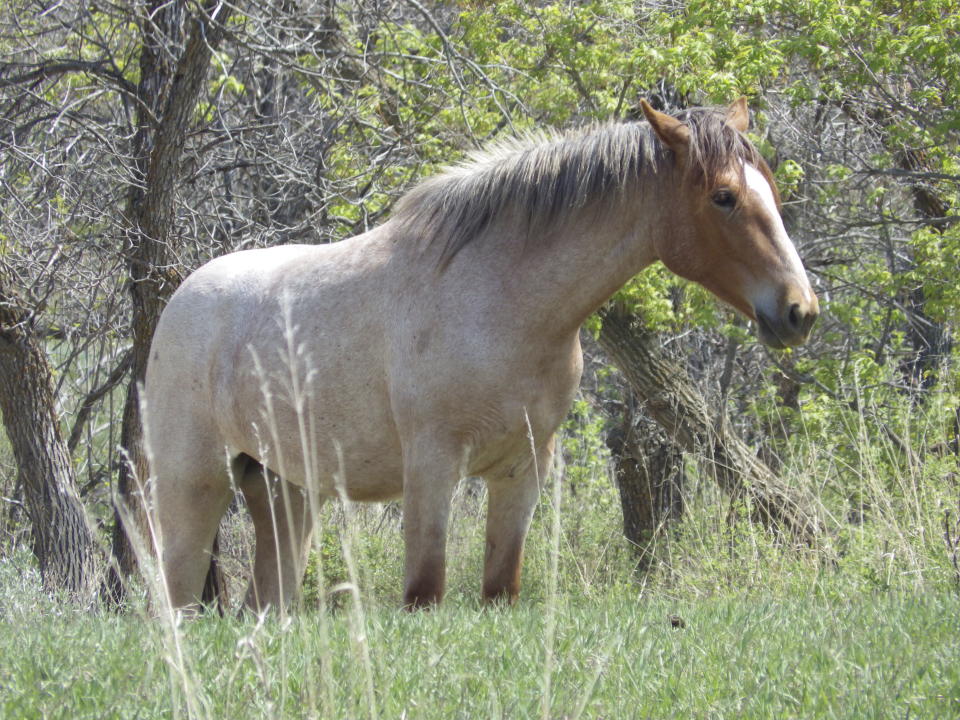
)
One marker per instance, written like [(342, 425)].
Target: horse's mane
[(550, 174)]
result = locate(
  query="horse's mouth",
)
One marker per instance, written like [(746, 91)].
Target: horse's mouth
[(767, 334)]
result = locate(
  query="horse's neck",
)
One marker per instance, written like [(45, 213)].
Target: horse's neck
[(567, 276)]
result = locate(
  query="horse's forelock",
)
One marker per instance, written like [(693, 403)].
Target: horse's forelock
[(715, 146)]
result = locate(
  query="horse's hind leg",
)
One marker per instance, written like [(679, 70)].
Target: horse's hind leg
[(510, 505), (283, 523), (190, 495)]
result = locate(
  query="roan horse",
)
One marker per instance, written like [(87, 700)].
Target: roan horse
[(443, 343)]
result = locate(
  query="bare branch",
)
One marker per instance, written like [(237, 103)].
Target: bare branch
[(32, 73), (94, 396)]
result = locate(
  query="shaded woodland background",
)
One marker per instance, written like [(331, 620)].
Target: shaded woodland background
[(139, 139)]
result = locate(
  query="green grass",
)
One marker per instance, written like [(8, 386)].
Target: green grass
[(863, 626), (616, 655)]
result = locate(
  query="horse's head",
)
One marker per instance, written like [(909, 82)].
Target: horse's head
[(726, 232)]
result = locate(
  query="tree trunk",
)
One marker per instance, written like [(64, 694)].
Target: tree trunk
[(674, 402), (169, 93), (648, 470), (62, 541), (930, 339)]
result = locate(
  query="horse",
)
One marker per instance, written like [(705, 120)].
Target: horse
[(442, 343)]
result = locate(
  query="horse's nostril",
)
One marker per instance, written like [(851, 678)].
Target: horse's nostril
[(795, 317)]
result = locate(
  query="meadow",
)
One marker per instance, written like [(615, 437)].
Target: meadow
[(613, 655), (728, 621)]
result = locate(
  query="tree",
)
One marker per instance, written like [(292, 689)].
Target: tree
[(674, 402), (62, 540), (649, 473), (303, 121), (55, 288)]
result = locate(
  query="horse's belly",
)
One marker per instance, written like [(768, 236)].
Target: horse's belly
[(356, 454), (333, 429), (366, 472)]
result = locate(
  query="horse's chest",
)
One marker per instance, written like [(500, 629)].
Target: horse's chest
[(519, 413)]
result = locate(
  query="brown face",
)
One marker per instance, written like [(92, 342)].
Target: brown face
[(730, 238)]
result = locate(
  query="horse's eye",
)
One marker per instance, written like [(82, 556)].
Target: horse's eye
[(724, 198)]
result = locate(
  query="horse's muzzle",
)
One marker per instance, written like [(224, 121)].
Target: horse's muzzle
[(792, 325)]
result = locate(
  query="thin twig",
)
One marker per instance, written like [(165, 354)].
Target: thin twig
[(94, 396)]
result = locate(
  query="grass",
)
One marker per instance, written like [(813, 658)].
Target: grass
[(616, 655), (766, 631), (730, 621)]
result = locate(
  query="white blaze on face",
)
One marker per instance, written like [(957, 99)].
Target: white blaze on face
[(757, 183)]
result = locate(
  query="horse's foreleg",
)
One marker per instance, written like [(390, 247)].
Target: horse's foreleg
[(283, 524), (510, 505), (428, 484)]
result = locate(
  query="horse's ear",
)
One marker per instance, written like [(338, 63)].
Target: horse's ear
[(673, 133), (738, 115)]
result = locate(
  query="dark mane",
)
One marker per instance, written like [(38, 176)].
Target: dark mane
[(550, 175)]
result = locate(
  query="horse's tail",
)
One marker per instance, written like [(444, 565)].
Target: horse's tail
[(214, 593)]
